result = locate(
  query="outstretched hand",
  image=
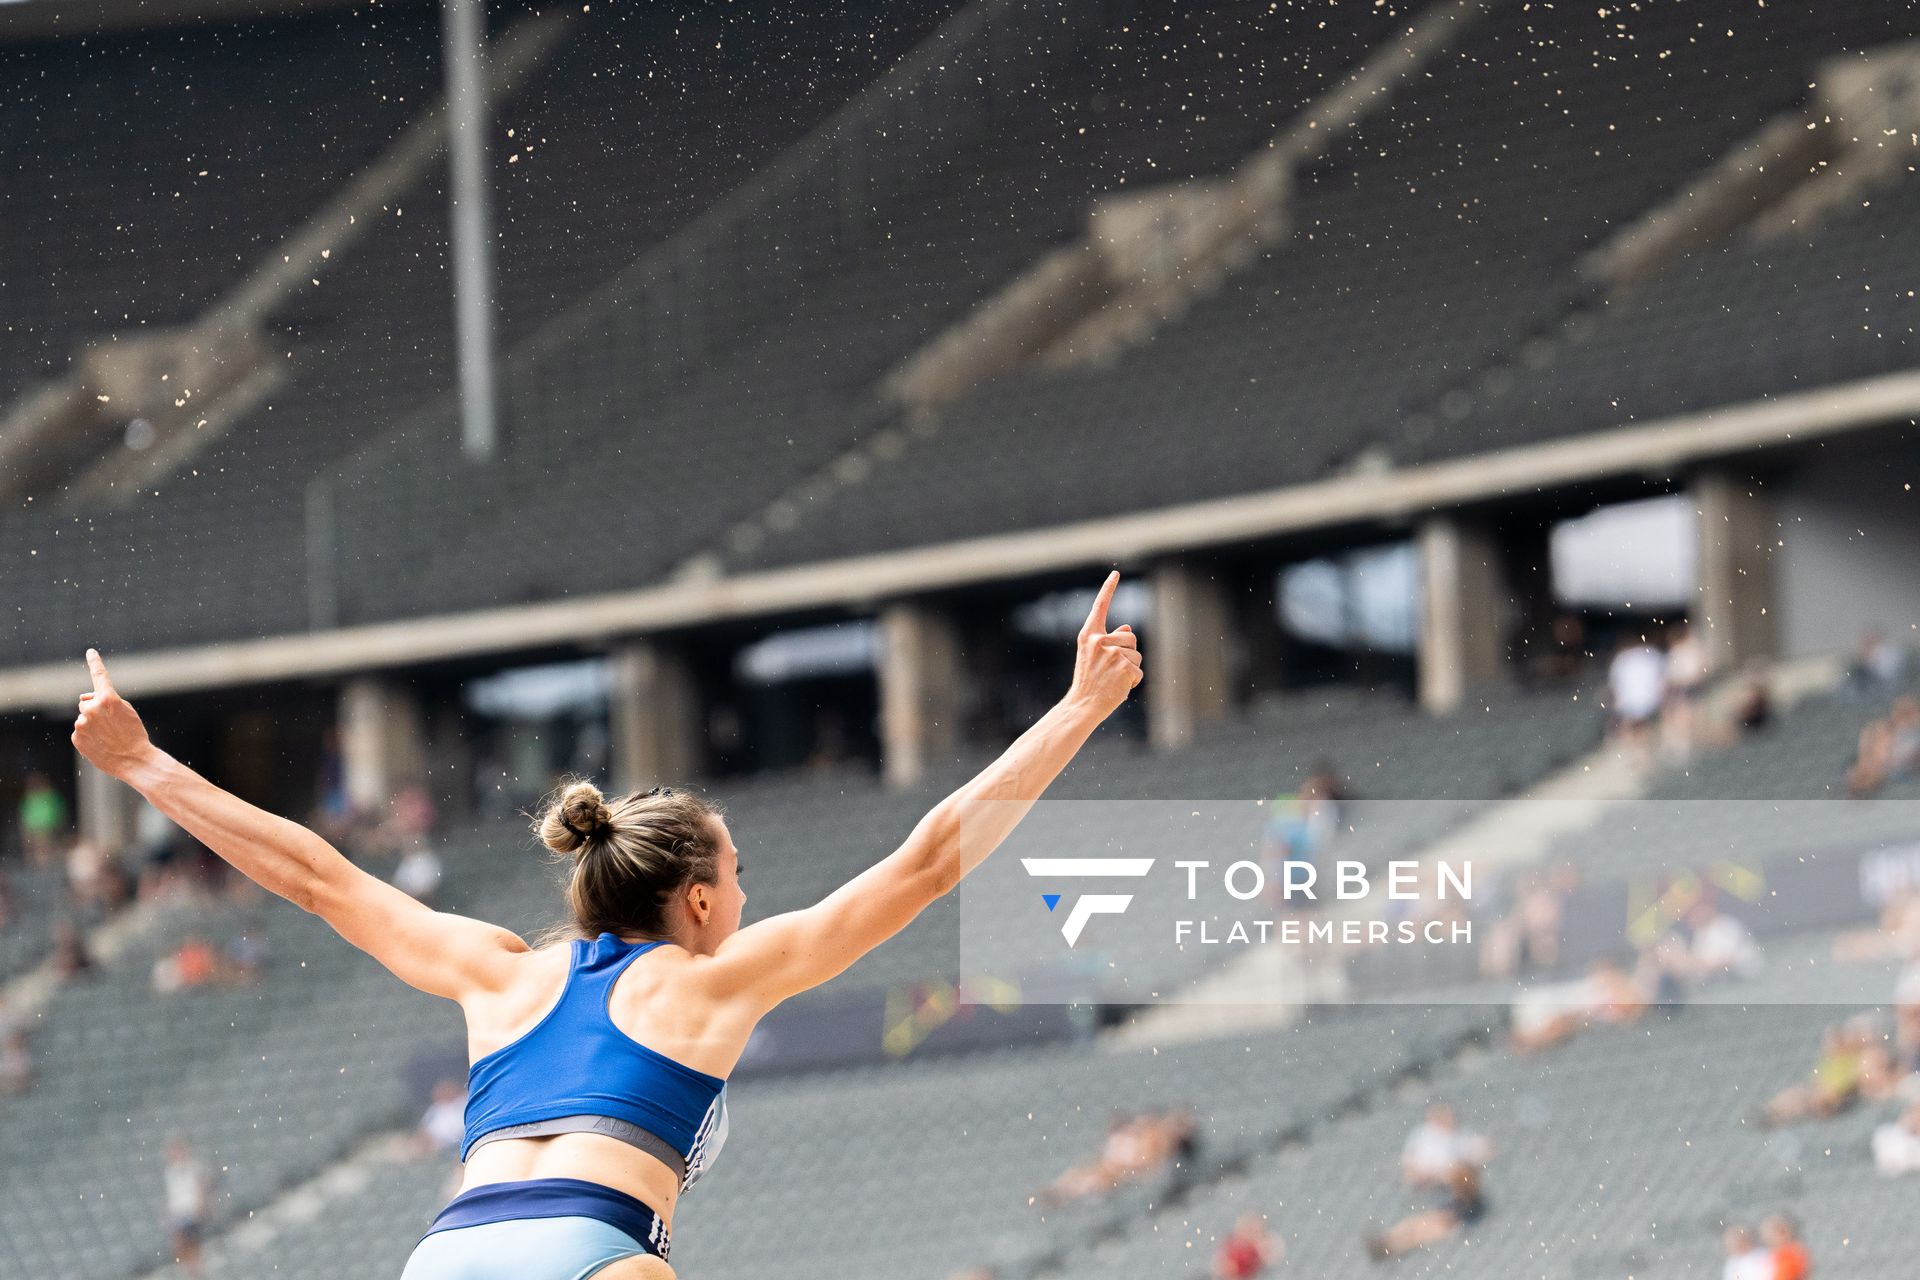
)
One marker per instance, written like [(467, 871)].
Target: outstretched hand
[(1106, 665), (108, 730)]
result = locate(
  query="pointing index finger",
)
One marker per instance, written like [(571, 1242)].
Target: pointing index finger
[(1096, 623), (96, 668)]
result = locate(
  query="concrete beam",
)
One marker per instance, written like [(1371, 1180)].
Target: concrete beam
[(861, 583)]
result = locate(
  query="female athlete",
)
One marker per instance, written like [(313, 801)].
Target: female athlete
[(597, 1091)]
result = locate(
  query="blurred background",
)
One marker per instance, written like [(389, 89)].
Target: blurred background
[(1500, 406)]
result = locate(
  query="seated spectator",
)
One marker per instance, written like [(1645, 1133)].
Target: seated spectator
[(419, 873), (1906, 1031), (1752, 706), (1896, 936), (1135, 1147), (189, 1195), (442, 1126), (246, 957), (1527, 939), (88, 867), (71, 958), (1788, 1255), (1854, 1062), (43, 819), (1438, 1147), (1896, 1144), (1249, 1250), (1465, 1206), (1636, 689), (194, 963), (1878, 665), (1609, 996), (1719, 946), (16, 1062), (1746, 1260), (1299, 825), (1888, 748), (1680, 717)]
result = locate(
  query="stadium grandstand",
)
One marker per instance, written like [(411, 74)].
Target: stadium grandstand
[(1501, 416)]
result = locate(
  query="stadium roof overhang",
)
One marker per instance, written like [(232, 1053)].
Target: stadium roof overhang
[(1664, 447)]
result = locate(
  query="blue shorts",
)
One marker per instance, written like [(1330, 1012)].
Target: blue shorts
[(543, 1229)]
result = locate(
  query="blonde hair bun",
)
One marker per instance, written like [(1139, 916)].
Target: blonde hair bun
[(578, 818)]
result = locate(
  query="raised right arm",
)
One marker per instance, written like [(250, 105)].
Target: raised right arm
[(434, 951), (767, 962)]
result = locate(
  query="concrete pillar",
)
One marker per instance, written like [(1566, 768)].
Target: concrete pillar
[(922, 689), (1463, 608), (107, 809), (1733, 595), (382, 740), (654, 717), (1190, 679)]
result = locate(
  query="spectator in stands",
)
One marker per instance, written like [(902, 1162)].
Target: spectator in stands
[(1637, 688), (419, 873), (830, 748), (1896, 936), (1888, 748), (1878, 665), (442, 1126), (1438, 1147), (1788, 1254), (1527, 938), (333, 813), (1896, 1144), (43, 819), (1465, 1205), (1746, 1260), (194, 963), (1135, 1147), (1718, 945), (189, 1193), (1609, 996), (71, 958), (89, 867), (411, 818), (1752, 707), (1681, 729), (1906, 1027), (1249, 1250), (16, 1062), (1854, 1063), (246, 956), (1564, 655), (1300, 823)]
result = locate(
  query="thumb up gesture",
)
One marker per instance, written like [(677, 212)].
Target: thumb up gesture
[(1106, 664), (108, 731)]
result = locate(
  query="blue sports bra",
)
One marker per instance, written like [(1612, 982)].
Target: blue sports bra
[(576, 1072)]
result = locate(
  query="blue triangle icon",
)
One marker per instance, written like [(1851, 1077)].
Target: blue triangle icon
[(1051, 899)]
